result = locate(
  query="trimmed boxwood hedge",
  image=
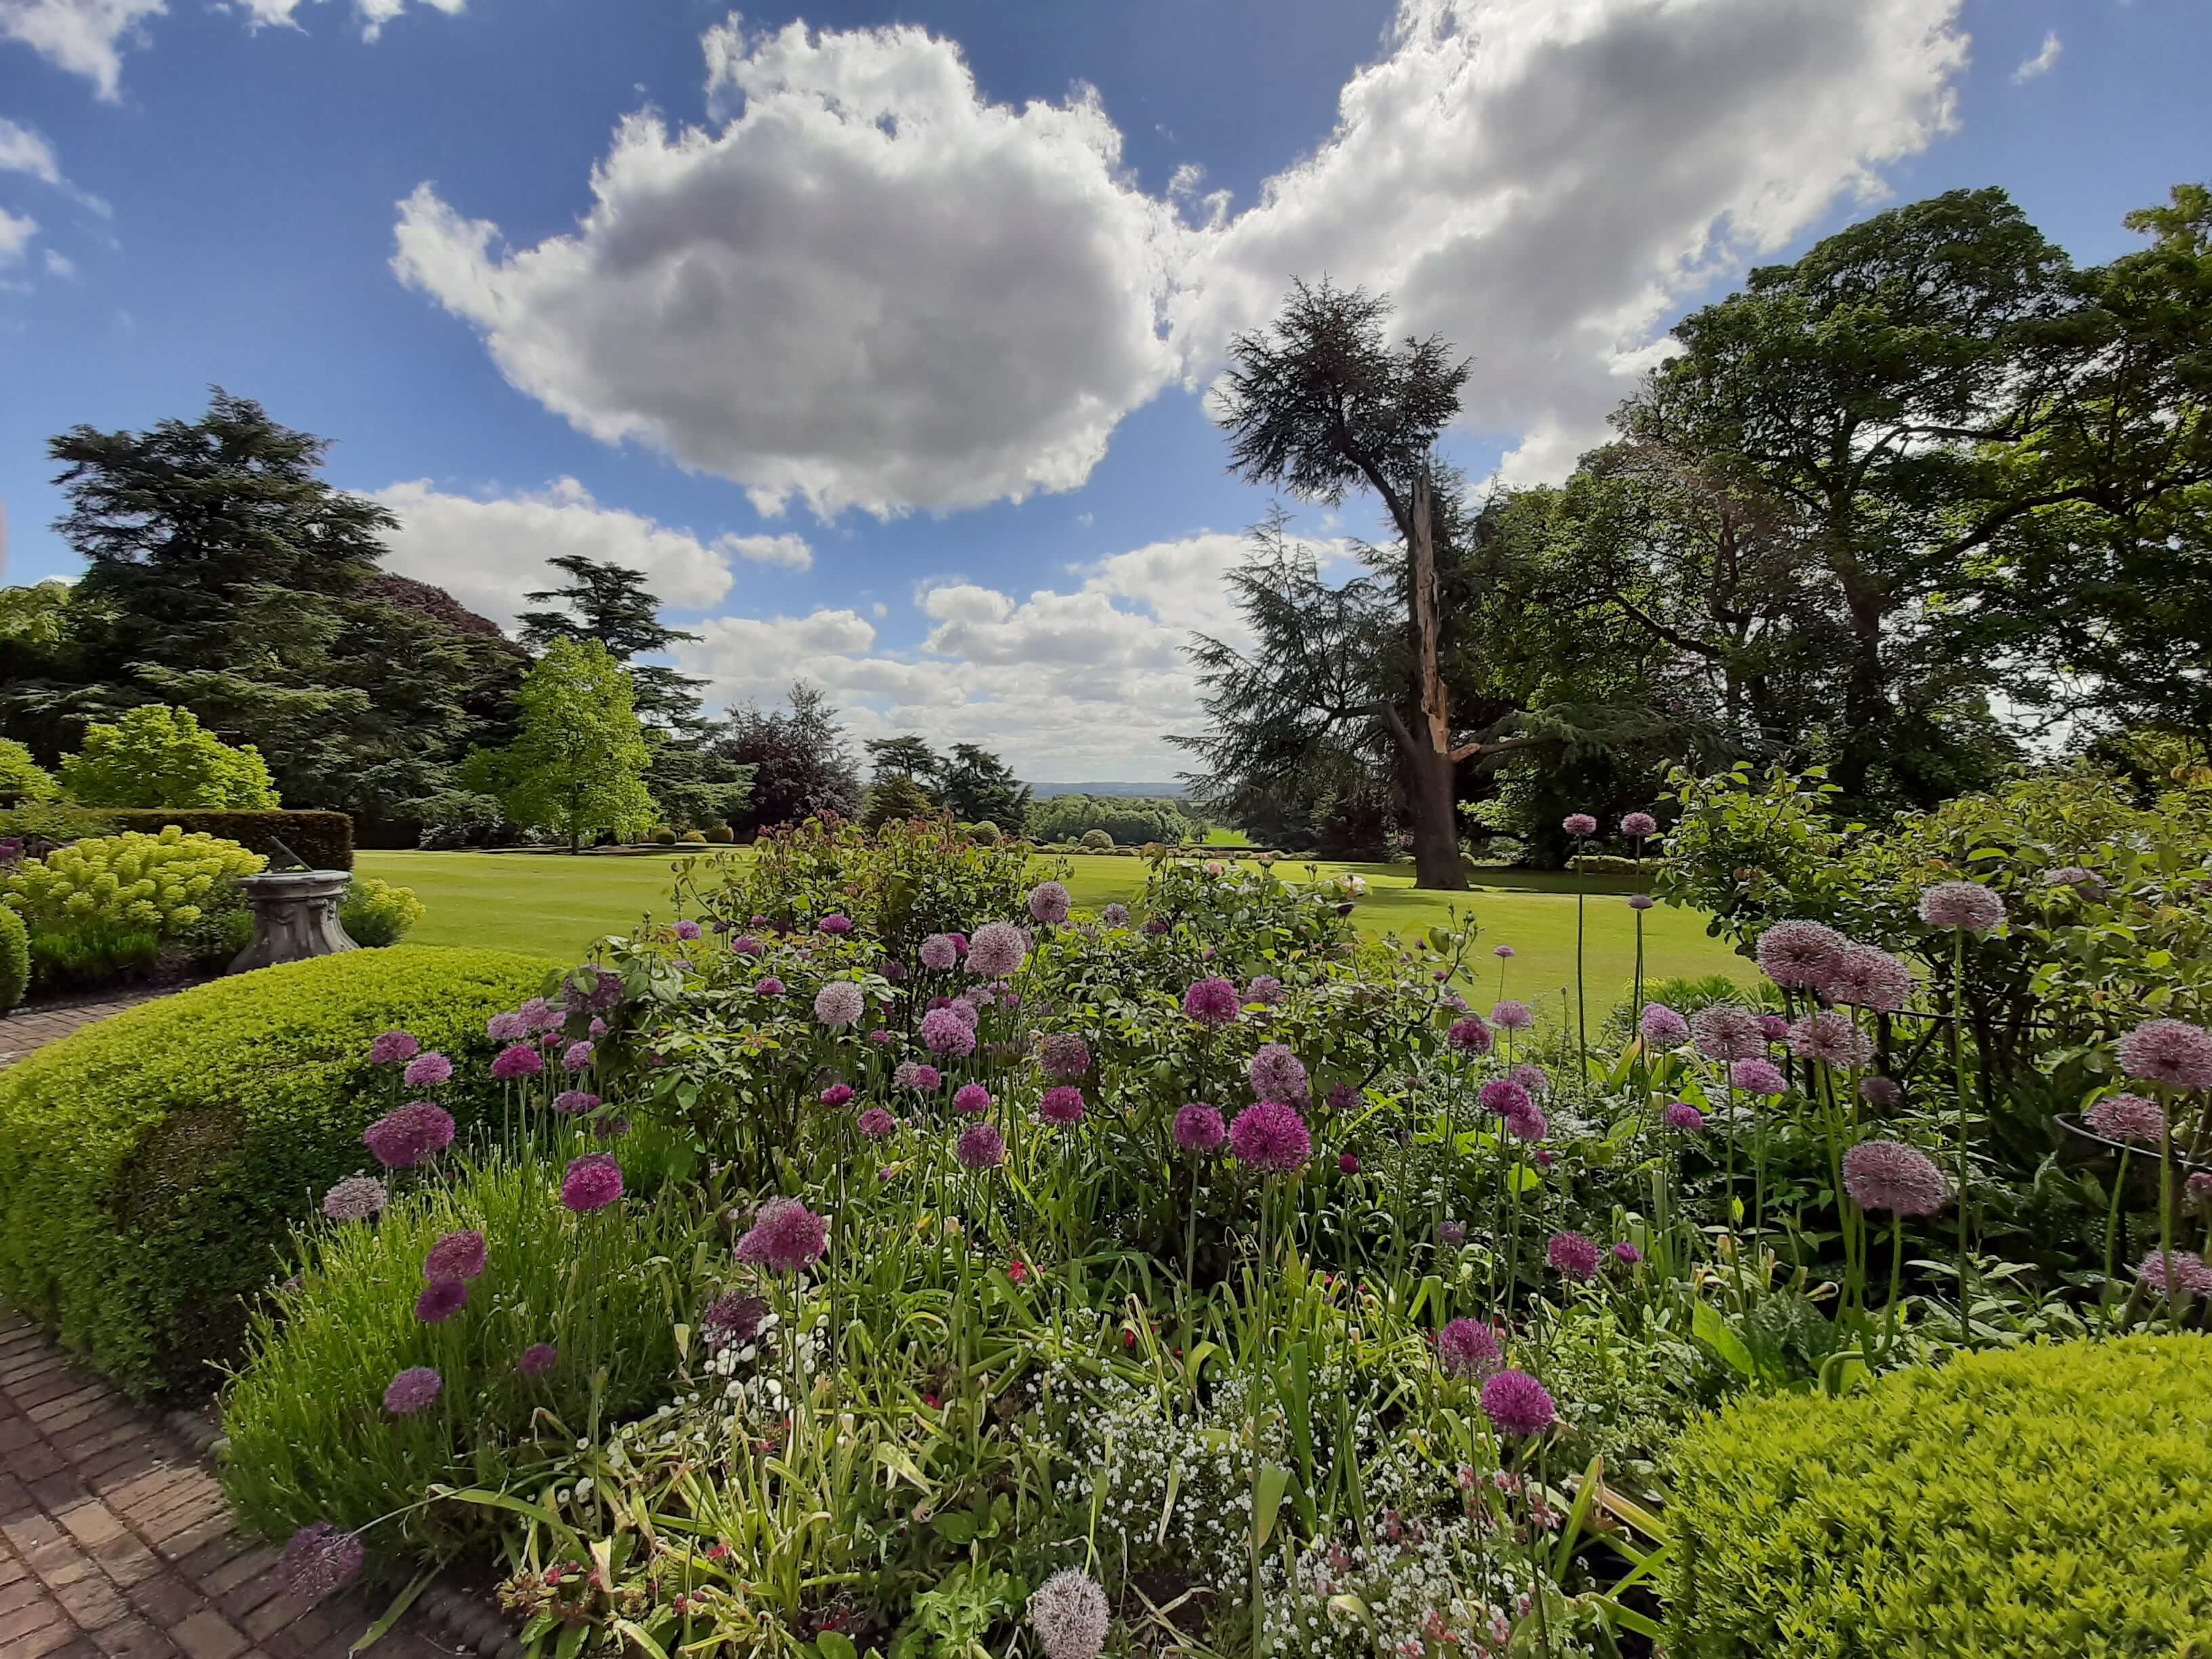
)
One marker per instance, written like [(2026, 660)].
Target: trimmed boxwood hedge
[(152, 1163), (2050, 1500), (323, 840), (15, 959)]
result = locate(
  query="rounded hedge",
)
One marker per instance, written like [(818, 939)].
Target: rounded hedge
[(2054, 1499), (15, 959), (151, 1164)]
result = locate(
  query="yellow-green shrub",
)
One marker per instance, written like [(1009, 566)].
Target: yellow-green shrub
[(159, 884), (2049, 1501), (15, 959), (375, 913), (152, 1163)]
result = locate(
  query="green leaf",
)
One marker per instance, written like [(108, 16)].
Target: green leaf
[(1717, 1333), (836, 1644), (1268, 1486), (391, 1615)]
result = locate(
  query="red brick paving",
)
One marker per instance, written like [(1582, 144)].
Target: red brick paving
[(115, 1543)]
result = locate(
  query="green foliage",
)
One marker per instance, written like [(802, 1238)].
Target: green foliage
[(15, 959), (984, 833), (321, 841), (161, 757), (160, 884), (693, 838), (150, 1163), (578, 761), (23, 778), (664, 837), (1126, 820), (375, 913), (895, 796), (1097, 841), (722, 834), (309, 1440), (2043, 1501)]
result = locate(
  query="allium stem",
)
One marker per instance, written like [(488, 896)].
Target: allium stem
[(2113, 1227), (1582, 999), (1959, 1083)]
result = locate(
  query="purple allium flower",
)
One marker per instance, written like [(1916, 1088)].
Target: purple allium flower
[(1069, 1614), (1348, 1163), (1882, 1093), (732, 1318), (440, 1300), (1757, 1077), (997, 951), (1064, 1055), (1572, 1256), (1641, 900), (2198, 1187), (2168, 1051), (1502, 1095), (1048, 903), (577, 1056), (1270, 1136), (393, 1048), (745, 945), (1533, 1078), (1662, 1026), (1451, 1234), (1276, 1073), (1266, 990), (937, 951), (2072, 875), (357, 1198), (403, 1138), (506, 1028), (576, 1102), (1343, 1098), (1453, 1000), (598, 1029), (1962, 904), (1466, 1347), (980, 1148), (427, 1070), (1626, 1253), (1793, 953), (540, 1014), (1518, 1404), (786, 1237), (1212, 1002), (835, 924), (1773, 1027), (1832, 1037), (2182, 1276), (967, 1013), (838, 1004), (1114, 915), (590, 1182), (456, 1255), (1581, 825), (520, 1061), (412, 1390), (914, 1074), (1156, 925), (1637, 825), (769, 986), (1062, 1105), (319, 1561), (945, 1032), (1680, 1115), (837, 1094), (878, 1124), (1528, 1124), (880, 1036), (971, 1100), (1894, 1178), (1865, 978), (537, 1358), (1512, 1016), (1199, 1128), (2128, 1117), (1503, 952), (1724, 1031), (1469, 1035)]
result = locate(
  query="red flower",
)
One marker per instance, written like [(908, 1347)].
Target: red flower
[(932, 1402), (1017, 1270), (1128, 1338)]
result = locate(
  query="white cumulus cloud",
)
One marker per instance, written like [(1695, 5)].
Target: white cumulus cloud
[(85, 37), (788, 550), (16, 233), (2043, 63)]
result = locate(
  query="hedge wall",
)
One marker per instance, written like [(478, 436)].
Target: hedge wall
[(151, 1164), (323, 840)]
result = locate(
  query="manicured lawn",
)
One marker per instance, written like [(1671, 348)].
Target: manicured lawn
[(556, 906)]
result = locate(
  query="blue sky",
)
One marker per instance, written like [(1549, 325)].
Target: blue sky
[(879, 334)]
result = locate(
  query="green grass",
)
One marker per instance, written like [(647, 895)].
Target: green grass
[(556, 906)]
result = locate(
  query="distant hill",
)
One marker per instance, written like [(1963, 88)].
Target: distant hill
[(1149, 791)]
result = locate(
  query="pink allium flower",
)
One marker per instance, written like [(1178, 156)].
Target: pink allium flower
[(1533, 1078), (914, 1074), (1064, 1055), (980, 1148), (1048, 903), (971, 1100), (945, 1032), (519, 1061), (319, 1561), (1199, 1128), (838, 1004), (1637, 825), (997, 951), (1518, 1404), (745, 945), (1503, 952), (2168, 1051), (1626, 1253), (540, 1014), (1832, 1038), (1266, 990), (393, 1048), (357, 1198), (440, 1300), (1069, 1615), (1724, 1031), (837, 1094), (590, 1182), (1882, 1093), (1662, 1028), (1962, 904), (577, 1056), (1641, 900), (1212, 1002), (1469, 1035), (1757, 1077), (403, 1138), (732, 1318), (1865, 978), (2199, 1188), (878, 1124), (1680, 1115), (1502, 1095), (1512, 1016), (1062, 1105), (1580, 825), (1347, 1163), (1896, 1180), (2182, 1276), (456, 1255), (412, 1390), (1271, 1137), (506, 1028), (1793, 953), (967, 1011), (687, 929), (1451, 1234), (879, 1036), (769, 986), (1276, 1073), (2072, 875), (835, 924), (2128, 1117), (786, 1237), (598, 1029), (575, 1102), (537, 1358), (1114, 915), (1572, 1256), (937, 951), (1773, 1027), (1466, 1347), (427, 1070), (1528, 1124)]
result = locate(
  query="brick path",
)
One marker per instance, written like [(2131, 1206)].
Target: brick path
[(115, 1543), (22, 1032)]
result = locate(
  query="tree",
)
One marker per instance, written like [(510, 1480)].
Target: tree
[(577, 764), (907, 755), (802, 767), (22, 780), (895, 796), (977, 786), (161, 756)]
